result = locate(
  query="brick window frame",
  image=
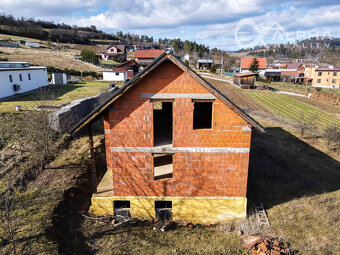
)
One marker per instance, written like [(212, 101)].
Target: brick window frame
[(164, 176), (212, 112)]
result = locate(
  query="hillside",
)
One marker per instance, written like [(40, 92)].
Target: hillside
[(48, 30), (318, 50), (48, 54)]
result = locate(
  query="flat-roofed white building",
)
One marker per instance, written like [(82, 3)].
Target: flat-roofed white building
[(20, 77), (110, 75)]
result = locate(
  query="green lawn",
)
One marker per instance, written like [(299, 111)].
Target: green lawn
[(54, 96), (297, 88), (292, 109), (109, 62)]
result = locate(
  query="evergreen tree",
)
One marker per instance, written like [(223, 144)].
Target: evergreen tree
[(89, 56), (254, 66)]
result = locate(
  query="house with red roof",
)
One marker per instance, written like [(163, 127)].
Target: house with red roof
[(145, 57), (246, 63)]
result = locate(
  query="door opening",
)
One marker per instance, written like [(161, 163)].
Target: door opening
[(162, 123)]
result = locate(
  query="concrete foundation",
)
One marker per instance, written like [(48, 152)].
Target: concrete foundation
[(202, 210)]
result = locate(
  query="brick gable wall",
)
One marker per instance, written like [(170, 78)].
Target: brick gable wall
[(129, 124)]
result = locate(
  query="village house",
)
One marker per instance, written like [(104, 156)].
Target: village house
[(244, 80), (145, 57), (121, 72), (176, 147), (246, 63), (113, 52), (20, 77), (287, 72), (292, 76), (204, 63), (327, 77)]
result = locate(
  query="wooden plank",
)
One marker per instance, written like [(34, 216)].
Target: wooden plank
[(93, 162)]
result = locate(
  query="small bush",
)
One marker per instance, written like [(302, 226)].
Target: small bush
[(213, 69), (94, 74), (332, 137)]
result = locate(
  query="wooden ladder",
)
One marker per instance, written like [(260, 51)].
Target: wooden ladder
[(261, 216)]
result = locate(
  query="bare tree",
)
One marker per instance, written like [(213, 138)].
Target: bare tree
[(36, 134), (306, 124), (25, 137), (7, 213)]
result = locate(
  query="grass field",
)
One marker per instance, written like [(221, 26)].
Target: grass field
[(299, 186), (297, 88), (54, 96), (17, 38), (48, 57), (109, 62), (292, 109)]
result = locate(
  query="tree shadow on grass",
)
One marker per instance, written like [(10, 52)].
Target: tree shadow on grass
[(283, 167)]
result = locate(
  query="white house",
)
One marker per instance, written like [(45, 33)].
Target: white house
[(19, 77), (109, 75)]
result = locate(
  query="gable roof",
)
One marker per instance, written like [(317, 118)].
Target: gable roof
[(289, 73), (126, 64), (166, 56), (119, 47), (246, 62), (294, 65), (148, 53)]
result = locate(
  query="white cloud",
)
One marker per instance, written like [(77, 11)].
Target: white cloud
[(48, 8), (212, 21), (288, 25)]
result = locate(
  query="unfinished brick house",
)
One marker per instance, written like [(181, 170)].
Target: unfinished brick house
[(176, 147)]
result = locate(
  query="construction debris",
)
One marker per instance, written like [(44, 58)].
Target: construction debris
[(116, 220), (264, 245), (164, 226)]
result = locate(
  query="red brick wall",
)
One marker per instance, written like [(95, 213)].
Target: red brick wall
[(194, 174)]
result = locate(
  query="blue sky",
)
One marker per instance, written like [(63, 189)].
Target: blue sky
[(223, 24)]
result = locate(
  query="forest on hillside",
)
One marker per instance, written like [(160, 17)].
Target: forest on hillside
[(48, 30)]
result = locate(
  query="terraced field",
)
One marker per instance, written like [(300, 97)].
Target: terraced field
[(291, 109)]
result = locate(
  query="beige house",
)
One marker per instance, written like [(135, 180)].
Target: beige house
[(328, 77)]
